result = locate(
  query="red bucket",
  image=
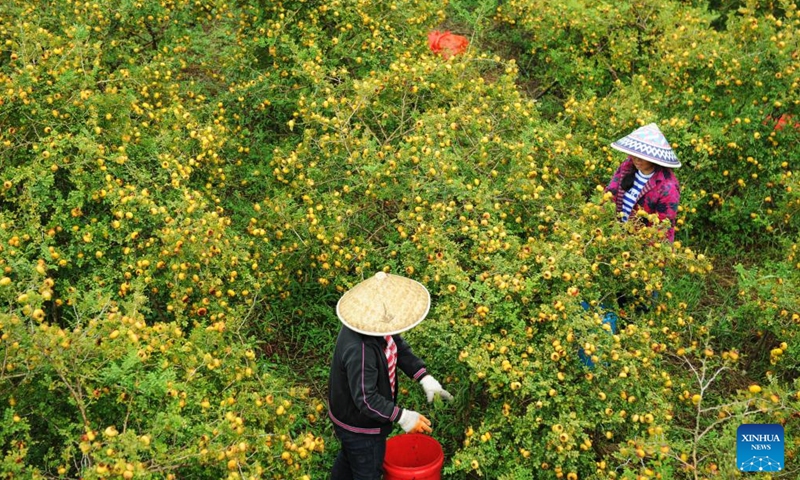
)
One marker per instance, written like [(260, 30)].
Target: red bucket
[(413, 456)]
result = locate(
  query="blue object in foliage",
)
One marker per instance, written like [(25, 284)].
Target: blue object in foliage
[(610, 319)]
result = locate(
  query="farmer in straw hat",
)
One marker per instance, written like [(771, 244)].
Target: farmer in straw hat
[(363, 385), (645, 179)]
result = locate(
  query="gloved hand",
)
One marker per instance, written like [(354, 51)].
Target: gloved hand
[(413, 422), (432, 387)]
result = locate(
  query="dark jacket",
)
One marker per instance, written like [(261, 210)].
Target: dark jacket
[(359, 394)]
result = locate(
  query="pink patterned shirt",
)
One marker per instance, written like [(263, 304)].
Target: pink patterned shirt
[(661, 195)]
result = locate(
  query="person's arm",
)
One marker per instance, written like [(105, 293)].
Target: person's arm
[(409, 363), (362, 363), (412, 366), (664, 203), (616, 179)]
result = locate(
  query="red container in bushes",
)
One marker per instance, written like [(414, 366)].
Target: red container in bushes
[(413, 456)]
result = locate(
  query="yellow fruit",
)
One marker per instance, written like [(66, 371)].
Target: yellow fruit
[(754, 389)]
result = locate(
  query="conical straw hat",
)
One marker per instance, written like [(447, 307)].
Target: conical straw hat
[(384, 304), (650, 144)]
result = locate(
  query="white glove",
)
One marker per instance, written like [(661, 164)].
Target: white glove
[(413, 422), (432, 387)]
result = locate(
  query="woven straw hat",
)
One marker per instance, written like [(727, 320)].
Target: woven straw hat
[(650, 144), (384, 304)]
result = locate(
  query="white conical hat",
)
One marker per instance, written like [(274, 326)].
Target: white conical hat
[(384, 304), (650, 144)]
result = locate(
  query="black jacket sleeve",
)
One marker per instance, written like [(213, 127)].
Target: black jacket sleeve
[(409, 363)]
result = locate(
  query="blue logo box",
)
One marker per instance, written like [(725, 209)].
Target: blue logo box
[(759, 448)]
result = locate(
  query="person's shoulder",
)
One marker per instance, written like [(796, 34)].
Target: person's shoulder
[(667, 175), (667, 182), (349, 338)]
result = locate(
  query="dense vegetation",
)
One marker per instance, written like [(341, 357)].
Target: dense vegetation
[(189, 186)]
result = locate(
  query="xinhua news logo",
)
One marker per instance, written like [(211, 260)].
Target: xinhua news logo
[(759, 448)]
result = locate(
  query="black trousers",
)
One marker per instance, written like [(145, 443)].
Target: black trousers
[(361, 456)]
